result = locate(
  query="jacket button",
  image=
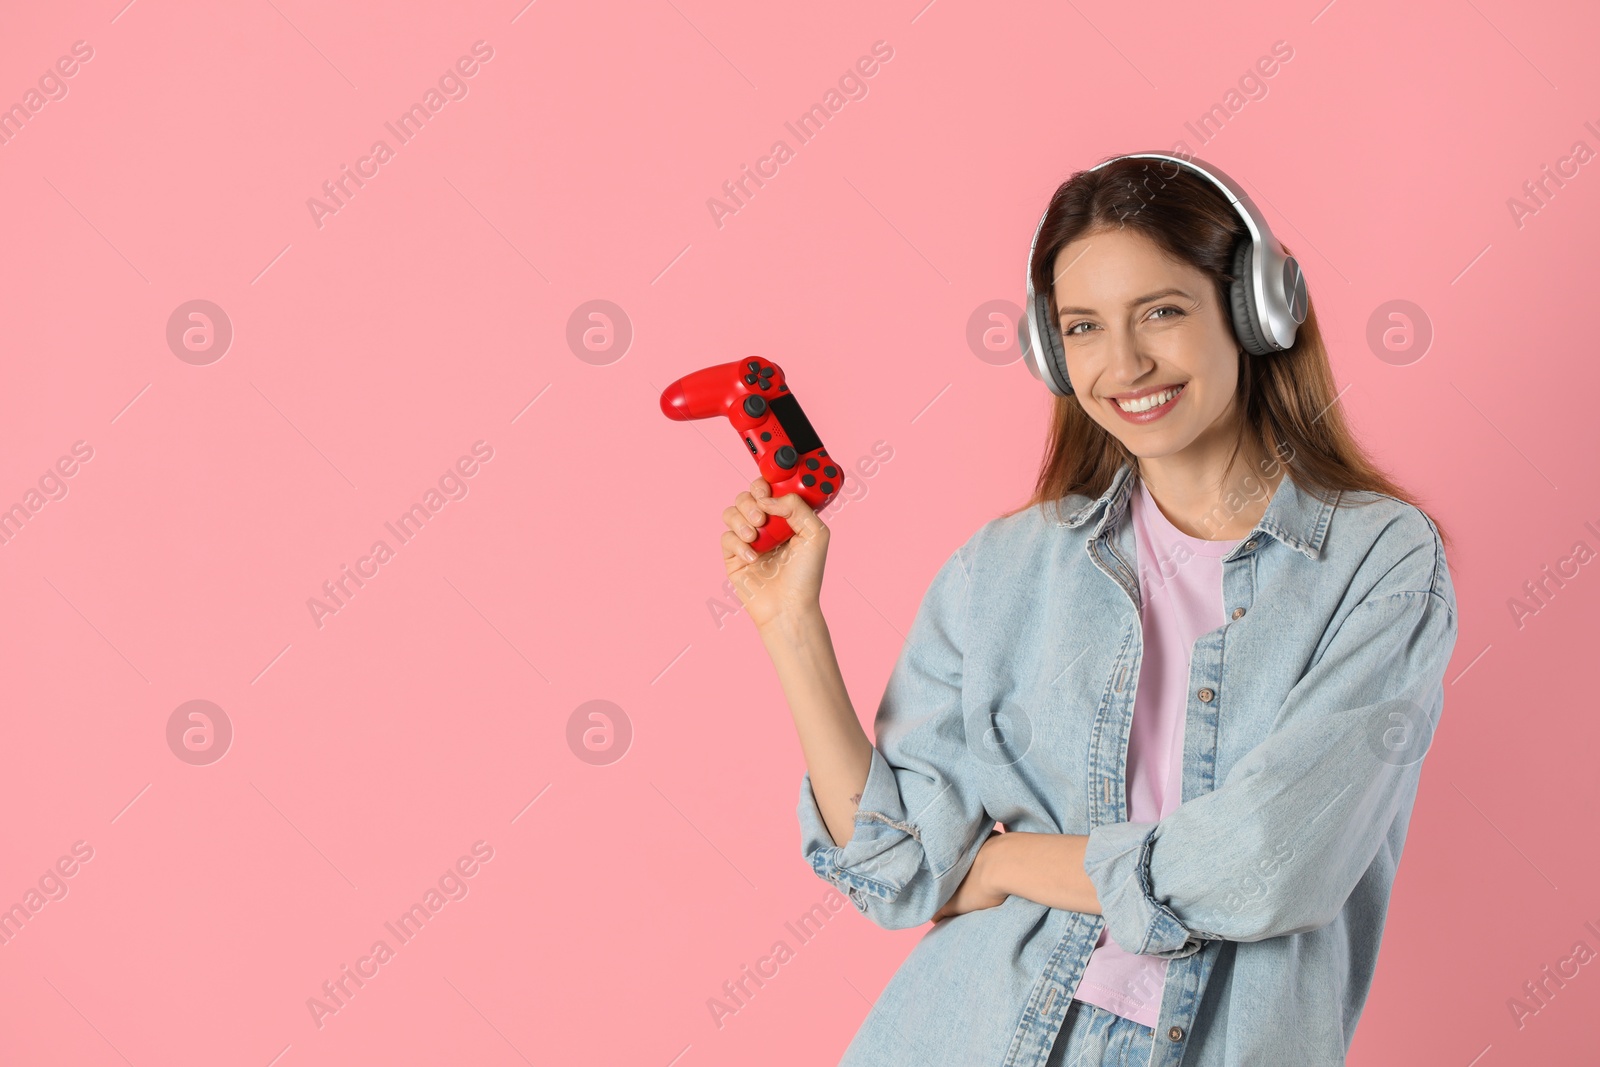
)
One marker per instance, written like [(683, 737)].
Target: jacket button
[(1238, 613), (1205, 696), (1176, 1033), (1249, 544)]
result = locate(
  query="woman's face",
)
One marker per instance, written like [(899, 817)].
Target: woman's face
[(1137, 325)]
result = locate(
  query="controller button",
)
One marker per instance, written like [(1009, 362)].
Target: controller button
[(827, 487), (812, 464), (755, 406), (783, 388), (786, 457), (808, 480), (763, 384), (830, 471), (823, 453), (749, 379), (766, 372), (766, 437), (754, 364)]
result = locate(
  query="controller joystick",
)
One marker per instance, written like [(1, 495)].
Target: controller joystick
[(754, 395)]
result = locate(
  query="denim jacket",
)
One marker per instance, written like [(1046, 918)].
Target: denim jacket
[(1309, 712)]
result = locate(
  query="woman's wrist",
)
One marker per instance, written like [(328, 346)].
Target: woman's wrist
[(994, 864), (793, 627), (1044, 868)]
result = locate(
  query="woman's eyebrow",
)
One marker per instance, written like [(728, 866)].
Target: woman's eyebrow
[(1135, 302)]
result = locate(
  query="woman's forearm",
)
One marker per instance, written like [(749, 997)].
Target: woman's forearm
[(837, 751), (1044, 868)]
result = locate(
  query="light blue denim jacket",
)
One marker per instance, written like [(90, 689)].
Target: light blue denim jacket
[(1309, 712)]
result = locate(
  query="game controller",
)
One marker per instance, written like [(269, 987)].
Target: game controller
[(755, 397)]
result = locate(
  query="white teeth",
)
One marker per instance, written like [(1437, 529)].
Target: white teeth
[(1145, 403)]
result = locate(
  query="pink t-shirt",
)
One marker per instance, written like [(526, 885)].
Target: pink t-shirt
[(1180, 582)]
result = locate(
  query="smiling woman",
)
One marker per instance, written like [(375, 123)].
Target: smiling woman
[(1143, 283), (1194, 677)]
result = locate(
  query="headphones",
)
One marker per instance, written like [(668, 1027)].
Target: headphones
[(1268, 296)]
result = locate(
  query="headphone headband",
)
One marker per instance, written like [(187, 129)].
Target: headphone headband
[(1268, 296)]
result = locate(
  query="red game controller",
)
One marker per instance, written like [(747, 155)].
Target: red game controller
[(756, 399)]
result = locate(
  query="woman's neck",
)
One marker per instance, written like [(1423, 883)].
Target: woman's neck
[(1193, 494)]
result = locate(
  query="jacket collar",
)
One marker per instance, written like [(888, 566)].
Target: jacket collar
[(1294, 516)]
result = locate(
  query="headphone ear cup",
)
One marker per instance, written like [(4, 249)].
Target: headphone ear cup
[(1059, 354), (1244, 302), (1050, 333)]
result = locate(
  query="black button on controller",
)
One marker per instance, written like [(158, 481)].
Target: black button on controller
[(808, 480), (830, 471), (749, 379), (827, 487), (755, 406), (785, 457), (812, 465), (766, 437), (766, 372), (754, 364)]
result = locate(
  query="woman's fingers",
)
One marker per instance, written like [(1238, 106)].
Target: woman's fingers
[(799, 514), (732, 546), (750, 510), (738, 523), (746, 503)]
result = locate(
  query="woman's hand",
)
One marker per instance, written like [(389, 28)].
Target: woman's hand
[(976, 891), (787, 581)]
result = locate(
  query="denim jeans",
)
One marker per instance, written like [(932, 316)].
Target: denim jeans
[(1094, 1037)]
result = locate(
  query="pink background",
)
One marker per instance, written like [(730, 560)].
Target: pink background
[(432, 310)]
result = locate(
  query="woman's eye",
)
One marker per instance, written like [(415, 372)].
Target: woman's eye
[(1073, 331)]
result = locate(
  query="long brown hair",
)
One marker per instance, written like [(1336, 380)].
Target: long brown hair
[(1288, 398)]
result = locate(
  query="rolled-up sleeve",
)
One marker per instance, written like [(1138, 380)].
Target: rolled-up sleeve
[(920, 821), (1302, 815)]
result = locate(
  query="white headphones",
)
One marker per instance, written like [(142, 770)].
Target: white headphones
[(1268, 295)]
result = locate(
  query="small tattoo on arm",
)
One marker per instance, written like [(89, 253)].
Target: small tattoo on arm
[(855, 800)]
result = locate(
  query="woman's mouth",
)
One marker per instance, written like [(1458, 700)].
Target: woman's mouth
[(1149, 407)]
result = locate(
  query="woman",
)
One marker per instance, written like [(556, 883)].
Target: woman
[(1193, 678)]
